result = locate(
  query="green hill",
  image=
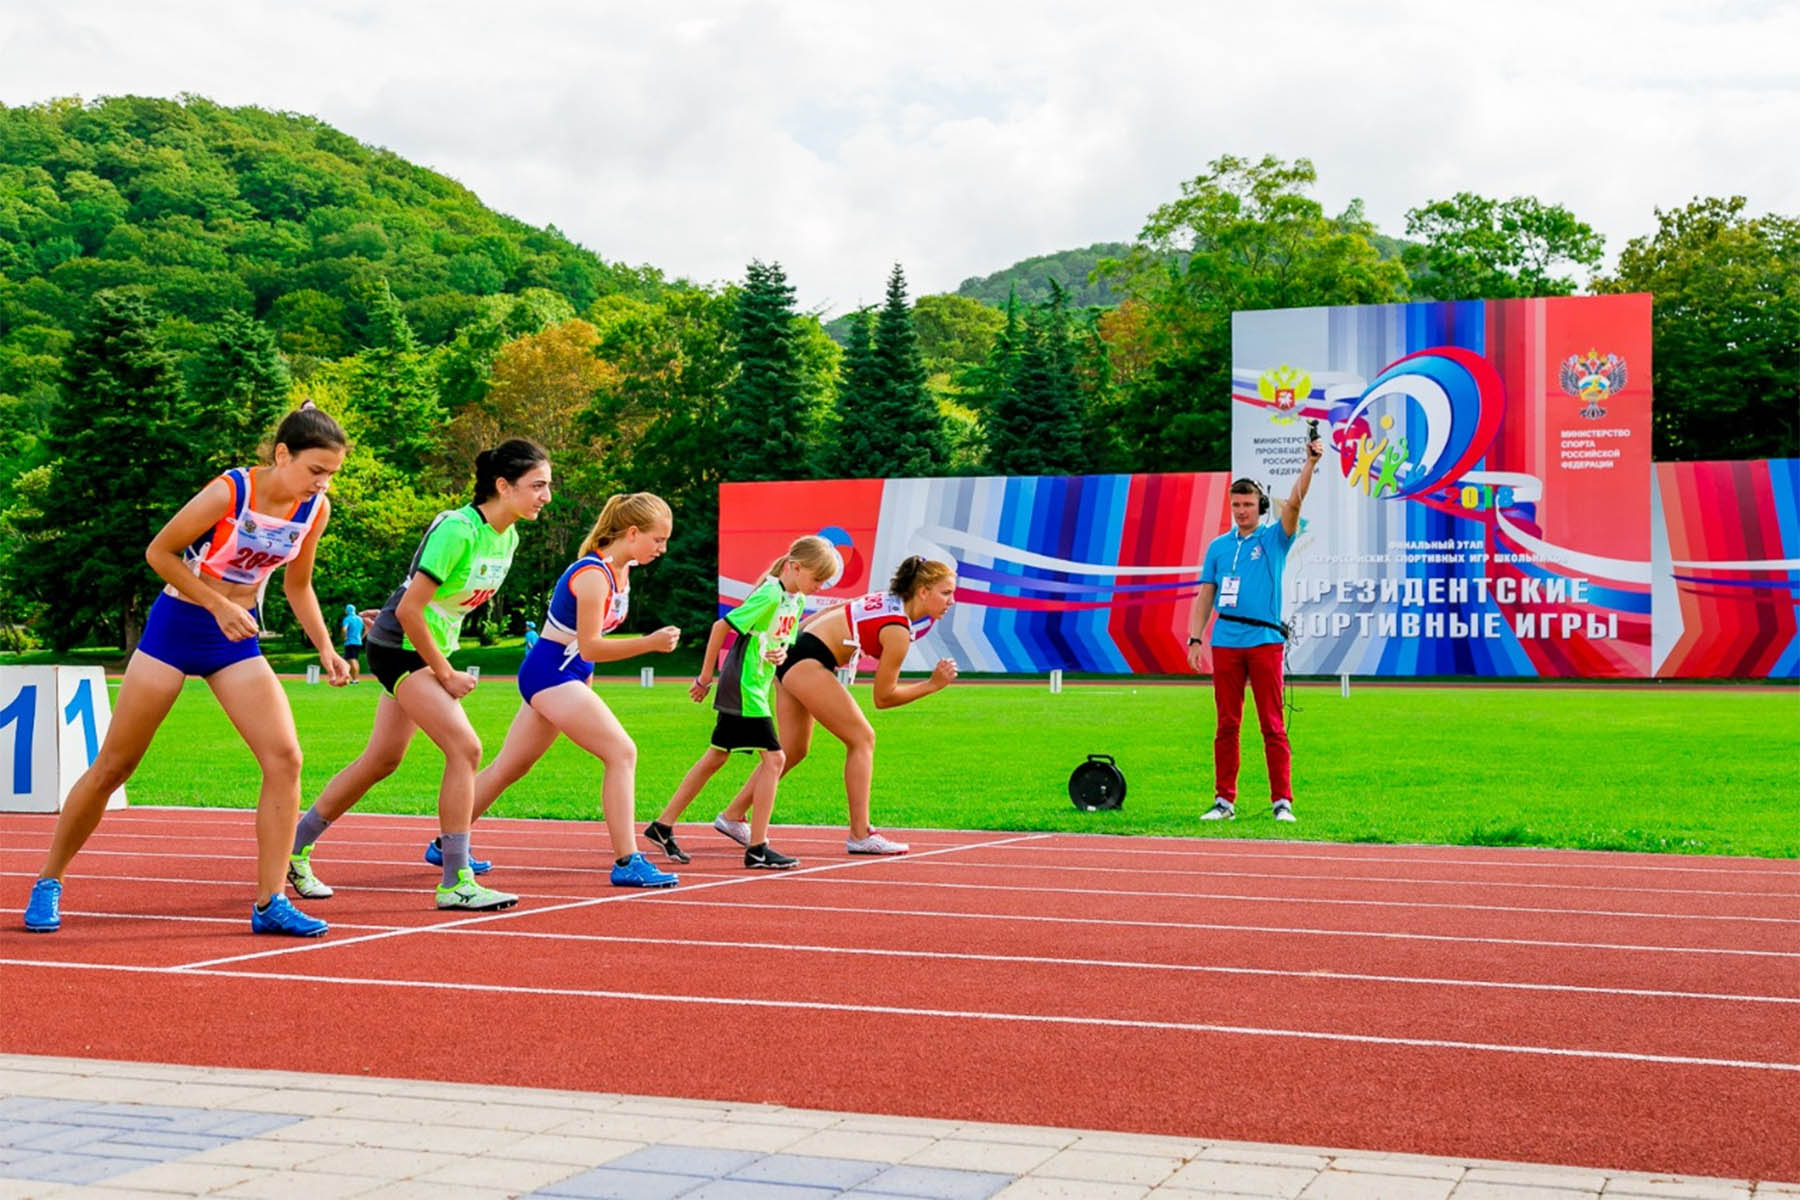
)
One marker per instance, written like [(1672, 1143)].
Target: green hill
[(1032, 276), (208, 209)]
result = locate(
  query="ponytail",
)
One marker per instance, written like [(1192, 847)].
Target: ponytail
[(620, 513), (510, 460), (813, 553), (917, 572)]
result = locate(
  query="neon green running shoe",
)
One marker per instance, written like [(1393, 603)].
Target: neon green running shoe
[(469, 895), (306, 885)]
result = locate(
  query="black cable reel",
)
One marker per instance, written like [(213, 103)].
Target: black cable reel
[(1097, 785)]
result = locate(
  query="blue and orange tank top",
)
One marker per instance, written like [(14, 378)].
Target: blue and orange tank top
[(562, 614), (246, 545)]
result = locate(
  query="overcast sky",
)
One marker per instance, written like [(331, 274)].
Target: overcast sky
[(838, 138)]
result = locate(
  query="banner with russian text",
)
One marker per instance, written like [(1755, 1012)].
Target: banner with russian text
[(1483, 505), (1092, 573), (1727, 569)]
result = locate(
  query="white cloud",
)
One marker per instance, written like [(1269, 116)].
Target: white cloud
[(958, 138)]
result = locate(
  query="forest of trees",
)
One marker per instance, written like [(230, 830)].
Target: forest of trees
[(174, 275)]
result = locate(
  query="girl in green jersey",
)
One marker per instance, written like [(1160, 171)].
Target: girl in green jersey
[(459, 565), (766, 624)]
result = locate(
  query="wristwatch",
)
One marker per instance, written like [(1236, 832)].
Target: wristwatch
[(1194, 641)]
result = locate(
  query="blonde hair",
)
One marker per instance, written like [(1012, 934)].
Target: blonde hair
[(812, 552), (918, 572), (620, 513)]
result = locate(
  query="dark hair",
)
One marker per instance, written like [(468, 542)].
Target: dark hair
[(1245, 487), (918, 572), (309, 428), (509, 460)]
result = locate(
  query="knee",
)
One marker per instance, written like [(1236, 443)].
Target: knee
[(623, 757), (282, 762), (861, 742), (775, 761), (464, 753), (110, 771), (382, 763)]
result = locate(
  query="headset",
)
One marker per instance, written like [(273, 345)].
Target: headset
[(1262, 494)]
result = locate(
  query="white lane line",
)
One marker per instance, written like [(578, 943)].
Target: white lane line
[(1381, 934), (1191, 873), (1097, 893), (1541, 857), (1401, 880), (894, 1010), (1345, 855), (621, 896), (1323, 976), (1315, 974)]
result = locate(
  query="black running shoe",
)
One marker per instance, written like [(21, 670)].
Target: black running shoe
[(663, 838), (764, 857)]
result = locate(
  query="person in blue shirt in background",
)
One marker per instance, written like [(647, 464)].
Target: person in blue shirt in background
[(531, 635), (1241, 580), (352, 625)]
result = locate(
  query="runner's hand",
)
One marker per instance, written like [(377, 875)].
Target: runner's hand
[(663, 640), (235, 621), (944, 674), (697, 690)]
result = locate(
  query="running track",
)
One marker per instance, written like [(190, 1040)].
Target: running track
[(1632, 1012)]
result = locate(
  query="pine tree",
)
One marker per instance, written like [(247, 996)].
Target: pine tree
[(764, 405), (1034, 427), (905, 427), (237, 390), (120, 467), (852, 445), (392, 389)]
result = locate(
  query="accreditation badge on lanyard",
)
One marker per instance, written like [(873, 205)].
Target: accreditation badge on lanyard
[(1228, 591)]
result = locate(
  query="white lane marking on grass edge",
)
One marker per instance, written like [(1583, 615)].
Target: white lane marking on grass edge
[(953, 1014)]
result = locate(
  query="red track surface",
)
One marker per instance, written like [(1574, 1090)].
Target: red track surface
[(1617, 1011)]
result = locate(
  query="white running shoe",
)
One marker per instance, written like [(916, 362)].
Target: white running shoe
[(1284, 811), (1222, 810), (301, 878), (737, 831), (875, 844)]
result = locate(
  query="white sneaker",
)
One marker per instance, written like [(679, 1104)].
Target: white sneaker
[(1222, 810), (875, 844), (1284, 811), (300, 876), (737, 831)]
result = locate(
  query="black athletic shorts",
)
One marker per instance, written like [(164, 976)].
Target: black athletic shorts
[(734, 732), (391, 664), (807, 646), (353, 652)]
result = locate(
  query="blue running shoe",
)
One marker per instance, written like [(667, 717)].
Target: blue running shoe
[(637, 872), (434, 854), (43, 914), (282, 917)]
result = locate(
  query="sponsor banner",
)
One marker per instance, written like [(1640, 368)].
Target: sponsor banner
[(1726, 569), (1093, 573), (1483, 505)]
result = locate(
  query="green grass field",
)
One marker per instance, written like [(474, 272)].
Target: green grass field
[(1700, 771)]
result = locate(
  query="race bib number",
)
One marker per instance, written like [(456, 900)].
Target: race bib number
[(1228, 591)]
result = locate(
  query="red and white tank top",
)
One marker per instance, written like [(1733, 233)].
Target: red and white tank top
[(246, 545), (868, 615)]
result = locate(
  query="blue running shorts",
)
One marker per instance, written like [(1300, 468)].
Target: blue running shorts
[(185, 636)]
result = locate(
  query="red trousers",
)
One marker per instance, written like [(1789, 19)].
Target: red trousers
[(1261, 665)]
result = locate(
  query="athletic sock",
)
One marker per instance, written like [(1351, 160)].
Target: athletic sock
[(456, 855), (622, 862), (311, 828)]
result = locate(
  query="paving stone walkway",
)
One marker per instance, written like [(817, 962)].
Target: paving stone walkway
[(75, 1127)]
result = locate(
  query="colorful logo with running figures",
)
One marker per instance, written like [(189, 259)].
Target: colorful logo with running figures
[(1592, 379), (1424, 422)]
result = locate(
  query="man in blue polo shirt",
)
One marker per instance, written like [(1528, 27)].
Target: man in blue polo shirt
[(1241, 580)]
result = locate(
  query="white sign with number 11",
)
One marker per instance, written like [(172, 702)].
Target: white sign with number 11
[(52, 721)]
